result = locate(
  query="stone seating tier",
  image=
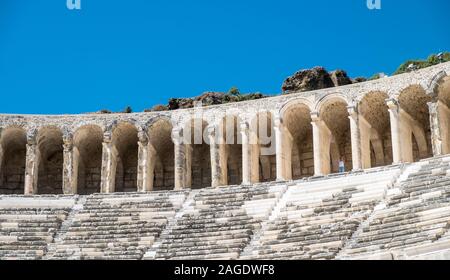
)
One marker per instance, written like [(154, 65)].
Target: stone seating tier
[(395, 212)]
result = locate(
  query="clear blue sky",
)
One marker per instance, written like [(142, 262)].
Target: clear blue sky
[(116, 53)]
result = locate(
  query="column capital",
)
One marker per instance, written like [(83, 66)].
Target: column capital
[(67, 138), (68, 146), (107, 137), (352, 110), (177, 135), (211, 130), (315, 117), (392, 104), (244, 127), (212, 136), (433, 105), (177, 132), (32, 137), (278, 121), (142, 137)]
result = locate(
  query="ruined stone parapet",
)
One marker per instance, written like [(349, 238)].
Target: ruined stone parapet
[(427, 79)]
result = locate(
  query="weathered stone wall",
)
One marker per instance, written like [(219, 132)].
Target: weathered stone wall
[(201, 166), (13, 175), (50, 174), (400, 123)]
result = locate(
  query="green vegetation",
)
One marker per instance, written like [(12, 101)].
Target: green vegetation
[(433, 59), (234, 91), (157, 108), (374, 77), (234, 95)]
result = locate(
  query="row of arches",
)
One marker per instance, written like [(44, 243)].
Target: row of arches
[(87, 155), (228, 144), (244, 153), (374, 131)]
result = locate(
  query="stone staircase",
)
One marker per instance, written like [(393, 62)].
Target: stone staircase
[(248, 250), (315, 217), (151, 253), (415, 216), (116, 226), (395, 212), (218, 223), (28, 224)]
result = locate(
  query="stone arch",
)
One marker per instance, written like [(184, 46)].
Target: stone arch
[(13, 143), (375, 130), (50, 147), (414, 122), (324, 100), (125, 143), (335, 133), (262, 147), (298, 140), (432, 88), (300, 101), (230, 149), (161, 149), (443, 90), (87, 156), (198, 156)]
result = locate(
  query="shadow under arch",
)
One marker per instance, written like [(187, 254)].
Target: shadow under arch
[(415, 129), (262, 148), (198, 154), (335, 134), (87, 151), (161, 147), (50, 174), (230, 148), (125, 143), (375, 130), (13, 143), (298, 141)]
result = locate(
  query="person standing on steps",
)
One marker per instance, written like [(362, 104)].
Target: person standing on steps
[(341, 165)]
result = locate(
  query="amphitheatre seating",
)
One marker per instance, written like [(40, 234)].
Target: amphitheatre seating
[(314, 219), (28, 224), (414, 217), (116, 226), (382, 213), (218, 222)]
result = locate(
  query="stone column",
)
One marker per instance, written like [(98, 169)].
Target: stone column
[(246, 180), (180, 159), (444, 126), (144, 173), (31, 167), (394, 115), (70, 167), (216, 172), (436, 136), (255, 152), (280, 150), (188, 149), (355, 137), (109, 164), (317, 147), (366, 137)]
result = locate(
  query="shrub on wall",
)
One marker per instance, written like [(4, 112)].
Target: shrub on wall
[(433, 59)]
